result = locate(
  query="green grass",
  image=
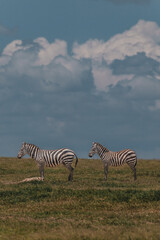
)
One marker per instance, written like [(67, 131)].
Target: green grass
[(86, 209)]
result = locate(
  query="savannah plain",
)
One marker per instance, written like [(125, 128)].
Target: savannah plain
[(88, 208)]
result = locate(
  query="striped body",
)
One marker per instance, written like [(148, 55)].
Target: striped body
[(49, 158), (115, 158), (53, 158)]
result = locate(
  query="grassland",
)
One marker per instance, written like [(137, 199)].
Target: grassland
[(87, 208)]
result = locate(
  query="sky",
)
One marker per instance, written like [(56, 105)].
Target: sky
[(78, 71)]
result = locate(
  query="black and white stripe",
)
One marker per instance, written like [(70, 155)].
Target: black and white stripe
[(114, 158), (49, 158)]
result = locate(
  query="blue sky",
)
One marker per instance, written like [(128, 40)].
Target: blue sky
[(77, 71)]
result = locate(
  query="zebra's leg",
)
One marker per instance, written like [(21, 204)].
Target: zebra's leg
[(71, 169), (41, 170), (134, 171), (105, 171), (135, 177)]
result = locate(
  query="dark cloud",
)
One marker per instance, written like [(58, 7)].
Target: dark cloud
[(138, 64)]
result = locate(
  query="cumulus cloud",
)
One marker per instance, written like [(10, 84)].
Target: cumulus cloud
[(143, 37), (104, 77), (105, 91), (140, 42), (49, 51)]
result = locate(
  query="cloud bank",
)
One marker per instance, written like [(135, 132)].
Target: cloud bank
[(104, 91)]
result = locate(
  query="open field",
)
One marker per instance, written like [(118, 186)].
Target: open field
[(87, 208)]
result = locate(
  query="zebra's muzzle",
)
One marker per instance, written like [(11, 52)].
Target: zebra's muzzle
[(19, 157), (90, 155)]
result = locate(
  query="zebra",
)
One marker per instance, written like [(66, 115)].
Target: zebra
[(49, 158), (114, 158)]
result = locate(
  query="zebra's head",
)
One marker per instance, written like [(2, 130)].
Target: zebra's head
[(93, 149), (22, 151)]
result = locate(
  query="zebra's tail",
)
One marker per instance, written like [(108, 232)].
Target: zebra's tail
[(76, 160), (135, 162)]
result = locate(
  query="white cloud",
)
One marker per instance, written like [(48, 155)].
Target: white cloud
[(46, 51), (49, 51), (60, 69), (103, 77), (13, 47), (143, 37), (10, 49)]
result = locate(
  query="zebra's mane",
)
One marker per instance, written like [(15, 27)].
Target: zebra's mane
[(30, 144), (102, 147)]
